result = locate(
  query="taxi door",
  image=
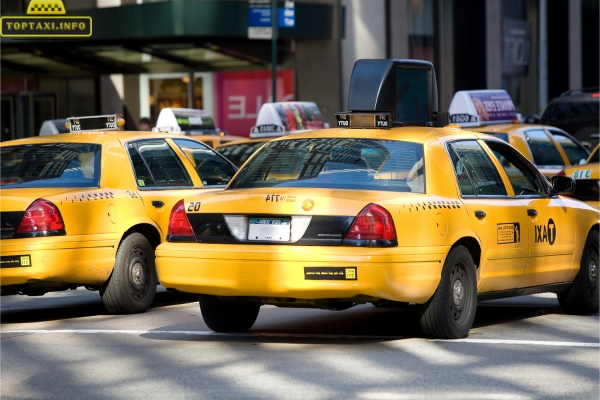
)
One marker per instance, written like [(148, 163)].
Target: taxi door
[(499, 220), (551, 241), (550, 224), (161, 177)]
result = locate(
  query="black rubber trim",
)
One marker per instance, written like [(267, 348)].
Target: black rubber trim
[(501, 294), (57, 232)]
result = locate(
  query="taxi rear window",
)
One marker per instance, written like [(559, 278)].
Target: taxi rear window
[(543, 150), (361, 164), (74, 165), (239, 153), (501, 136)]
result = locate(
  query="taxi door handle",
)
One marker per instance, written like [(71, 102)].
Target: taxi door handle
[(157, 203), (479, 214), (532, 213)]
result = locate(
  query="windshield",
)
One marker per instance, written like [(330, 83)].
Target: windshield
[(50, 165), (361, 164)]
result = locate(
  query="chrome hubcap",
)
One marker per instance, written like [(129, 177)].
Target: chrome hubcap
[(458, 292), (593, 271), (137, 274)]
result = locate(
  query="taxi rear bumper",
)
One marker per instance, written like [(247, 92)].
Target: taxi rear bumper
[(399, 274), (82, 260)]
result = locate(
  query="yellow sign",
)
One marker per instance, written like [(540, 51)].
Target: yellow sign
[(45, 18)]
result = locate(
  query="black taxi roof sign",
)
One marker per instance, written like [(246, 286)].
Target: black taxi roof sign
[(95, 123), (397, 92)]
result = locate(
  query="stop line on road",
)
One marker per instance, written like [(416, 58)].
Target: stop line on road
[(297, 335)]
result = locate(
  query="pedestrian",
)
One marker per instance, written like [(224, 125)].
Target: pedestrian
[(145, 124)]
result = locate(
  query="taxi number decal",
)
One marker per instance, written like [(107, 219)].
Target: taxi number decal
[(330, 273), (509, 233), (194, 206), (279, 198), (15, 261), (545, 233), (585, 174)]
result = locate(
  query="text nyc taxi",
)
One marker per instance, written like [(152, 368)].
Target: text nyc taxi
[(392, 205)]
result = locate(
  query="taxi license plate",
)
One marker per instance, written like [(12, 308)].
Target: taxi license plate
[(269, 229)]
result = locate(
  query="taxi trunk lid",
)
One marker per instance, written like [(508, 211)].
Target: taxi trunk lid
[(283, 216), (14, 202)]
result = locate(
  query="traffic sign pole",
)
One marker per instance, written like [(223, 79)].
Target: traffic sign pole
[(274, 49)]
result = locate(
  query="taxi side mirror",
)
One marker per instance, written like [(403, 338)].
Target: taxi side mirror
[(563, 184)]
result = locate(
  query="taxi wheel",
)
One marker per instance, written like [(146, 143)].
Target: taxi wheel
[(582, 296), (132, 284), (449, 314), (228, 316)]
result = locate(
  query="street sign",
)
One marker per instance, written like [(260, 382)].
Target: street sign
[(260, 22)]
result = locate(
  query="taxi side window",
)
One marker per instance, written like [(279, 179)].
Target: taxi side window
[(143, 176), (543, 150), (162, 162), (471, 162), (523, 178), (212, 168), (574, 150)]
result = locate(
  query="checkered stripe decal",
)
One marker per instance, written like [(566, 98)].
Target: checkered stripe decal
[(46, 7)]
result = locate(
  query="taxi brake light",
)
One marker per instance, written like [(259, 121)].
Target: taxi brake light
[(595, 94), (373, 223), (41, 218), (178, 221)]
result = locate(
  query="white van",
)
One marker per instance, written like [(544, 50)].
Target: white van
[(283, 118)]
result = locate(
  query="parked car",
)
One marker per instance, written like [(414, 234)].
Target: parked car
[(587, 178), (89, 207), (393, 205), (274, 120), (577, 112), (492, 111)]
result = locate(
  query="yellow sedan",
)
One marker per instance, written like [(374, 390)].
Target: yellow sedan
[(391, 206), (587, 178), (88, 208)]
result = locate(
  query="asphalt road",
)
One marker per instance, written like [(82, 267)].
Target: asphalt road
[(65, 346)]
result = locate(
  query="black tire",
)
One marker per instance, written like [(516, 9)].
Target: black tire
[(582, 296), (450, 312), (228, 316), (132, 284)]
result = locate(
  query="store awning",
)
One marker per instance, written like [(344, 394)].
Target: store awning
[(168, 36)]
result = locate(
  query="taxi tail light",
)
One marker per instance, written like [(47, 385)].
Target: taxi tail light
[(42, 218), (372, 227), (179, 225)]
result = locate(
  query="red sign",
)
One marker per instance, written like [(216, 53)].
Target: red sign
[(239, 96)]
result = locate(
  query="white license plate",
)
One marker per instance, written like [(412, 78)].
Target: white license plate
[(269, 229)]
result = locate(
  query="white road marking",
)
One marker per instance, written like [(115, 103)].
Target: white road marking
[(300, 335), (526, 342)]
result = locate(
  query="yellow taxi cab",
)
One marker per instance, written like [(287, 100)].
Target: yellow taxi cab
[(274, 120), (88, 208), (492, 111), (587, 179), (392, 205), (215, 141)]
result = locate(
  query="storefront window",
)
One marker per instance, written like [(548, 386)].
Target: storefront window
[(173, 93), (421, 30)]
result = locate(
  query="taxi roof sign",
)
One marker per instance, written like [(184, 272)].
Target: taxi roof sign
[(111, 122), (283, 118), (46, 7), (406, 88), (482, 107), (190, 121)]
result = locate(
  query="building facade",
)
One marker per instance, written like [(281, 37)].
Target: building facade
[(144, 55)]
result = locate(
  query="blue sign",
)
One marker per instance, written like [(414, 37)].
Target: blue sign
[(259, 16), (286, 17)]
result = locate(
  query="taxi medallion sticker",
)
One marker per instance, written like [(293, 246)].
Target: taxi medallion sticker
[(15, 261), (330, 273), (509, 233)]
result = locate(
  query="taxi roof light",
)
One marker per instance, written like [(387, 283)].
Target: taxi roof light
[(392, 92), (471, 108), (179, 224), (41, 218), (95, 123)]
